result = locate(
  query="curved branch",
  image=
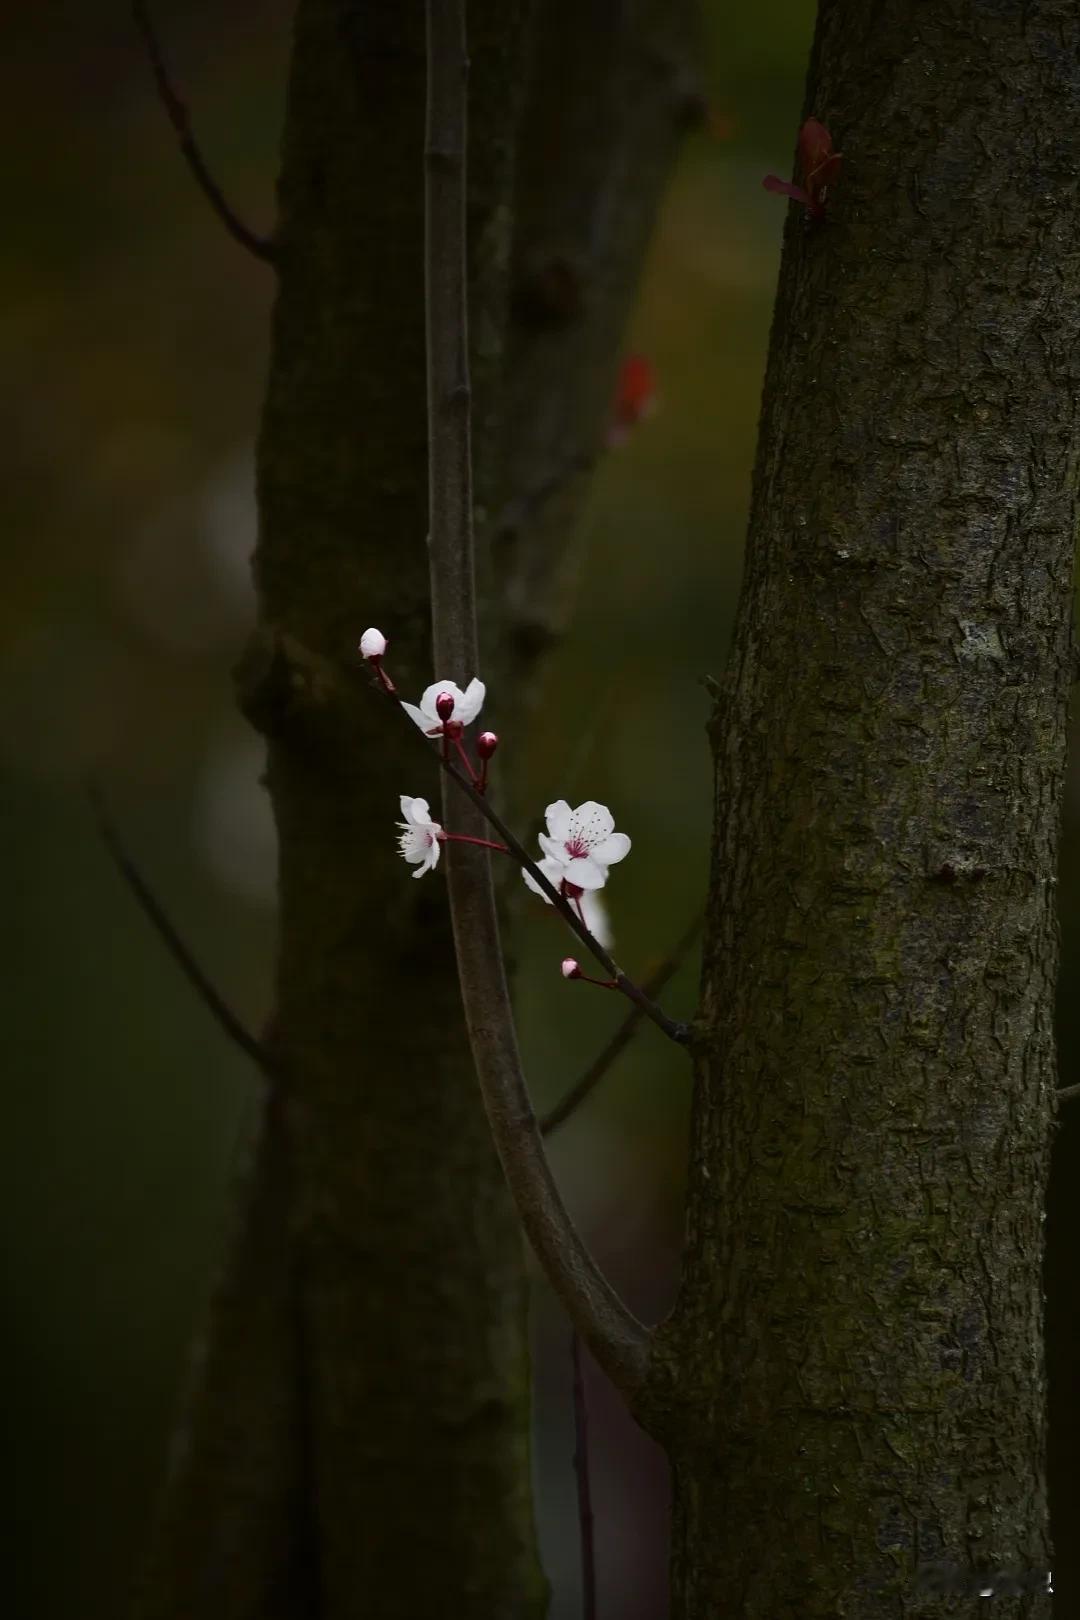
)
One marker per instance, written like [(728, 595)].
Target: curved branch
[(617, 1339), (176, 111)]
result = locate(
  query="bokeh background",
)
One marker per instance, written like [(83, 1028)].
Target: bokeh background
[(134, 344)]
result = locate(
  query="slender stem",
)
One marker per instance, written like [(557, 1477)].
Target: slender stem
[(1065, 1092), (180, 120), (466, 838), (618, 1340), (159, 918), (468, 764), (584, 1491), (622, 1037)]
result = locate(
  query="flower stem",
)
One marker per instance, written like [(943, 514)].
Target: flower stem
[(468, 764), (387, 684), (465, 838), (587, 978)]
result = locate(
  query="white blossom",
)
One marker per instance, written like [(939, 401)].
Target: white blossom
[(579, 847), (420, 837), (467, 705), (372, 643), (583, 843)]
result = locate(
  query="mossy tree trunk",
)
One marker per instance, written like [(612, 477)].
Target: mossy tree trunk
[(357, 1438), (855, 1362)]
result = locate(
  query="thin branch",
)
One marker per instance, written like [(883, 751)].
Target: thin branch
[(572, 1100), (584, 1493), (159, 920), (180, 119), (617, 1339), (1065, 1092), (671, 1027)]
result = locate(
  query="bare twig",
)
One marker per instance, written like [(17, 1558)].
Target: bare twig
[(584, 1493), (617, 1339), (159, 919), (1065, 1092), (622, 1037), (180, 119)]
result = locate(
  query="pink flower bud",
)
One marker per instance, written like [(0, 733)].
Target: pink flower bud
[(570, 968), (486, 744), (444, 706), (372, 644)]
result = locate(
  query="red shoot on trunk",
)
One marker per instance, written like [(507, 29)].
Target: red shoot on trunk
[(819, 166)]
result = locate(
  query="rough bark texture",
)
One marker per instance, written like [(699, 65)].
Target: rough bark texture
[(390, 1313), (858, 1337), (235, 1537), (416, 1361)]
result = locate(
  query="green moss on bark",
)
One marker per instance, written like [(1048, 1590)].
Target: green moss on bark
[(858, 1337)]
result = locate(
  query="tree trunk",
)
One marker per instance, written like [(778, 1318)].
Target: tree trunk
[(381, 1465), (858, 1337)]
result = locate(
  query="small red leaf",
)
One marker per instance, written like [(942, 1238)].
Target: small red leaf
[(819, 166), (773, 182), (635, 396)]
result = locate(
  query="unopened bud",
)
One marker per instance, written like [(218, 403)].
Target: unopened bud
[(486, 744), (570, 968), (372, 644), (444, 706)]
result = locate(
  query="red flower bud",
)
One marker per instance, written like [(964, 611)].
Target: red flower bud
[(444, 706), (486, 744)]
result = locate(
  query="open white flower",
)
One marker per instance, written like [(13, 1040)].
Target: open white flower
[(466, 705), (420, 837), (579, 846), (583, 842)]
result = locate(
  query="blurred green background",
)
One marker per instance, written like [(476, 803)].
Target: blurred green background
[(134, 340)]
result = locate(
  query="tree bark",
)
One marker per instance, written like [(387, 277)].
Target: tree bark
[(853, 1374), (389, 1310)]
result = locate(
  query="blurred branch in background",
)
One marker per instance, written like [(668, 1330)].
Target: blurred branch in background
[(162, 924), (622, 1036), (180, 119)]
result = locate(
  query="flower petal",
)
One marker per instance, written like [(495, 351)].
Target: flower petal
[(615, 848), (471, 702), (557, 816), (592, 823), (552, 870), (554, 851), (406, 808), (597, 920), (585, 873), (418, 813), (417, 717)]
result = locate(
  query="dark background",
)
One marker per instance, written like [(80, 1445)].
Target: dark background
[(134, 338)]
